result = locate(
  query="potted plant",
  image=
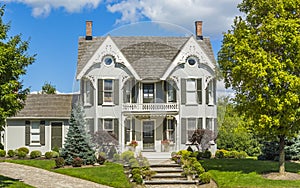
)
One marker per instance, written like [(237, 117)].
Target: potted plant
[(133, 144), (166, 145)]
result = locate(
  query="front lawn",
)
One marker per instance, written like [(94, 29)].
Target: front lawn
[(110, 174), (247, 172)]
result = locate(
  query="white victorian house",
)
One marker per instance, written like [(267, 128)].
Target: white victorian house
[(148, 89)]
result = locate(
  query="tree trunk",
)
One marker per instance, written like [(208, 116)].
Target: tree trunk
[(281, 155)]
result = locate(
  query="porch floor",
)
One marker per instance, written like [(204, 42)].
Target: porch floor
[(157, 157)]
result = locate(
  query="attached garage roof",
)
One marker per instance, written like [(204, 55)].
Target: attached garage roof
[(47, 106)]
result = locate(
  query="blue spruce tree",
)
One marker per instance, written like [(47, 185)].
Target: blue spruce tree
[(78, 142)]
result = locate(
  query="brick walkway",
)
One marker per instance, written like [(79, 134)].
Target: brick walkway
[(42, 178)]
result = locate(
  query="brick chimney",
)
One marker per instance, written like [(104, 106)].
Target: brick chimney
[(198, 26), (88, 30)]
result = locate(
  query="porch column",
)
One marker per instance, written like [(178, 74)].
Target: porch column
[(177, 133), (122, 135)]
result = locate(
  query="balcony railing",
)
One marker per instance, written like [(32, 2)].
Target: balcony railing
[(146, 107)]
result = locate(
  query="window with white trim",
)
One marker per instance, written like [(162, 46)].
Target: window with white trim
[(211, 93), (129, 130), (108, 91), (87, 92), (148, 93), (209, 123), (108, 125), (35, 132), (128, 91), (171, 96), (191, 91), (170, 130)]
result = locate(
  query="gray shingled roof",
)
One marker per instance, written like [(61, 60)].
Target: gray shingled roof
[(149, 56), (47, 106)]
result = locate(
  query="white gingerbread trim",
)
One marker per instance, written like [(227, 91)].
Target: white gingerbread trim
[(191, 48), (108, 47)]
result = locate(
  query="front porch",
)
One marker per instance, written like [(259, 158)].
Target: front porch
[(153, 133)]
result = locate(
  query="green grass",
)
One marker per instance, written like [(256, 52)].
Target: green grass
[(247, 173), (110, 174), (11, 183)]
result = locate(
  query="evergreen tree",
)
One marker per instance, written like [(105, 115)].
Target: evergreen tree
[(78, 142)]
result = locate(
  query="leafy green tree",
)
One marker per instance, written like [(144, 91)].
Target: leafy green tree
[(47, 88), (13, 62), (260, 60), (78, 142), (232, 133)]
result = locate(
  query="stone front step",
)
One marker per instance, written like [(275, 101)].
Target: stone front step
[(167, 170), (164, 182), (165, 165), (168, 175)]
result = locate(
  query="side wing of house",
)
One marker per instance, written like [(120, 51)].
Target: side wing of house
[(41, 125)]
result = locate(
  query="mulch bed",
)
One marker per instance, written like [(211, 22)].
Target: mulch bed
[(285, 176)]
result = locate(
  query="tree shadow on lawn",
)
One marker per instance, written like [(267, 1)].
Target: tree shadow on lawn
[(247, 166), (7, 182)]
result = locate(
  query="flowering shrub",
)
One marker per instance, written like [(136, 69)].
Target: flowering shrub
[(77, 162), (133, 143)]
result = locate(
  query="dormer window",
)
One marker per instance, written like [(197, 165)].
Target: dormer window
[(192, 60), (108, 60)]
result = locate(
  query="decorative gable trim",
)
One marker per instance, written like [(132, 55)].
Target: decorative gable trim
[(108, 47), (191, 48)]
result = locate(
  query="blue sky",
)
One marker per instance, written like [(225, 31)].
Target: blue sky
[(53, 28)]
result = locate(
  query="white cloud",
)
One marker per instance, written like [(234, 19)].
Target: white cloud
[(217, 15), (44, 7)]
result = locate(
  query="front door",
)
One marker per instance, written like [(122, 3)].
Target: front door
[(148, 135), (56, 134)]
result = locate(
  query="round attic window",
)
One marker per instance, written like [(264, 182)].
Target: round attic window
[(108, 60), (192, 60)]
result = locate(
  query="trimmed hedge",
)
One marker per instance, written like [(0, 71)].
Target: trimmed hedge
[(2, 153), (35, 154), (220, 154)]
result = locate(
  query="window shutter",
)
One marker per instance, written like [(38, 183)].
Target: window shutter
[(100, 125), (42, 134), (199, 91), (165, 129), (27, 133), (215, 91), (92, 90), (207, 93), (160, 96), (200, 123), (82, 90), (116, 92), (100, 91), (183, 91), (90, 123), (183, 130), (133, 128), (215, 126), (127, 130), (134, 91), (124, 90), (116, 128)]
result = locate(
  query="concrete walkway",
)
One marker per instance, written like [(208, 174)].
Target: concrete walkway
[(42, 178)]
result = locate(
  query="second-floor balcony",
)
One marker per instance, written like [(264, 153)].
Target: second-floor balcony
[(150, 107)]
